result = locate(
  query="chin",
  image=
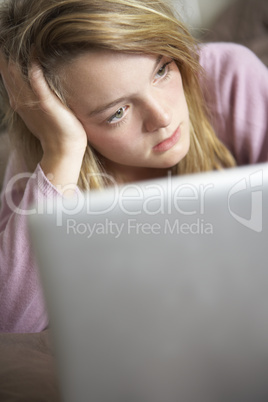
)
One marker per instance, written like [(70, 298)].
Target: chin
[(171, 162)]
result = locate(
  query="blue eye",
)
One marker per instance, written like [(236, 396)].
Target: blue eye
[(164, 70), (119, 114), (161, 72)]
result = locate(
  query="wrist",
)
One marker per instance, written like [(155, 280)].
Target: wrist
[(63, 150), (62, 171)]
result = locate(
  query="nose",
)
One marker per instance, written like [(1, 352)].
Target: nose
[(157, 114)]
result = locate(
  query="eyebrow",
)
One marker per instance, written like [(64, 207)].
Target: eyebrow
[(102, 108)]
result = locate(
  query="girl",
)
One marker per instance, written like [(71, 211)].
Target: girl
[(111, 89)]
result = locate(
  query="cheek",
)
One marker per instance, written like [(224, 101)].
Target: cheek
[(177, 95), (97, 137), (108, 142)]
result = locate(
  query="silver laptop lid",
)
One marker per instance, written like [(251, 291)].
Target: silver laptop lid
[(157, 291)]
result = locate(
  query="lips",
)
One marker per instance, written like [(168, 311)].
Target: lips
[(169, 142)]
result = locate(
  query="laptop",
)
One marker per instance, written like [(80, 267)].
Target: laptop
[(158, 291)]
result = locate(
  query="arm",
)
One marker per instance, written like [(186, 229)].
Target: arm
[(236, 92), (61, 134), (22, 308)]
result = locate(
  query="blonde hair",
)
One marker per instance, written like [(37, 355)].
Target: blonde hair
[(62, 29)]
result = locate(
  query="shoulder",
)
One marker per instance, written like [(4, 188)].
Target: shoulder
[(233, 69), (14, 166), (231, 63), (235, 88), (227, 55), (234, 73)]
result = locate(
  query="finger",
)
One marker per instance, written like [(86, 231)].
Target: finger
[(3, 66), (17, 86), (38, 82), (8, 81), (3, 61), (10, 70), (46, 96)]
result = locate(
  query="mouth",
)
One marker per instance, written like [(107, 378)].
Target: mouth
[(169, 142)]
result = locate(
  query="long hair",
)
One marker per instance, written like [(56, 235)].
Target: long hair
[(60, 30)]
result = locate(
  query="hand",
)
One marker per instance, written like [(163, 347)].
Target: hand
[(61, 134), (41, 110)]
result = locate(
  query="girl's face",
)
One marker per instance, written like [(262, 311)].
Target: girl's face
[(133, 110)]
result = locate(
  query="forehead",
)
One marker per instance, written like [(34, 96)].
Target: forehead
[(101, 76)]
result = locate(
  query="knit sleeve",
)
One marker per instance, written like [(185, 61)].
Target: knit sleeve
[(22, 306), (235, 87)]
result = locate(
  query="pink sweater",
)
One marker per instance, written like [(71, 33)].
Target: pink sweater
[(236, 90)]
